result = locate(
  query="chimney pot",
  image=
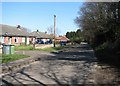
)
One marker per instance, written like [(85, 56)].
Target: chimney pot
[(18, 26), (37, 30)]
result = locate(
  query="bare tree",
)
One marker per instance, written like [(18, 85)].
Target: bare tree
[(50, 30), (57, 32)]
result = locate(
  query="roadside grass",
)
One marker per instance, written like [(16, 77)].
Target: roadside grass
[(51, 49), (11, 57), (23, 47), (28, 47)]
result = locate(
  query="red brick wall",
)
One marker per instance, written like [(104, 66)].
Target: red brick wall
[(6, 40), (13, 40), (19, 40), (32, 39)]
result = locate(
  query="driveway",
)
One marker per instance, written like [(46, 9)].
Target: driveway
[(70, 66)]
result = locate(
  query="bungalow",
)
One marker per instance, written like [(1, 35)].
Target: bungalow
[(15, 35), (62, 39), (42, 38)]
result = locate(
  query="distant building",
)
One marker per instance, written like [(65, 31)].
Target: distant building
[(42, 38), (62, 39)]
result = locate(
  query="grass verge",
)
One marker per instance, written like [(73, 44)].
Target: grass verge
[(23, 47), (12, 57), (51, 49)]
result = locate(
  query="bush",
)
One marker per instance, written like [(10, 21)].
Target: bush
[(117, 45), (103, 50), (106, 53)]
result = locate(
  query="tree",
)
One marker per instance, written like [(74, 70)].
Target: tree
[(50, 30), (75, 36), (100, 23)]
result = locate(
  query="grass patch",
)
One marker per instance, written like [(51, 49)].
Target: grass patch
[(23, 47), (52, 49), (12, 57), (28, 47)]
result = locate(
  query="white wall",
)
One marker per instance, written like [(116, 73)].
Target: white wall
[(28, 41), (1, 39)]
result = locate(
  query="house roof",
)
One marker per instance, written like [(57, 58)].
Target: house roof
[(7, 30), (62, 38), (41, 34)]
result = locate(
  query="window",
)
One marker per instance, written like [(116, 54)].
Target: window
[(16, 39)]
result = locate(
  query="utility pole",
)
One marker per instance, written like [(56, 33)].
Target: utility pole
[(54, 29)]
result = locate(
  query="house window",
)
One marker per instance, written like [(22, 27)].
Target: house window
[(16, 39)]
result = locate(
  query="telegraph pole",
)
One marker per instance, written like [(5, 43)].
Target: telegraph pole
[(54, 28)]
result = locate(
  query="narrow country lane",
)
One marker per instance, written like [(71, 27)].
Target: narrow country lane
[(71, 65)]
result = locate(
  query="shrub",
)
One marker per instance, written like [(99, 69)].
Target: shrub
[(106, 53)]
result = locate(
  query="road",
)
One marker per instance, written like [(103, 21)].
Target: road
[(71, 65)]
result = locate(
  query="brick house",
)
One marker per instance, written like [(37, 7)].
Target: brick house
[(62, 39), (41, 36), (15, 35)]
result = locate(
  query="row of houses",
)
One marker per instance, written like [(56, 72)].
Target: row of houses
[(14, 35), (19, 36)]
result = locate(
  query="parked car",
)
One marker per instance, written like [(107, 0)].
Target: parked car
[(42, 42), (39, 42), (48, 42), (63, 43)]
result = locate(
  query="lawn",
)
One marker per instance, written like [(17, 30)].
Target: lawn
[(23, 47), (51, 49), (12, 57)]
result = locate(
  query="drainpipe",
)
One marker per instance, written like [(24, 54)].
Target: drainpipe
[(34, 43), (26, 40)]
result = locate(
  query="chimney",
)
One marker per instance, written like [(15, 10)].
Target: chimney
[(37, 31), (18, 26), (45, 32)]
